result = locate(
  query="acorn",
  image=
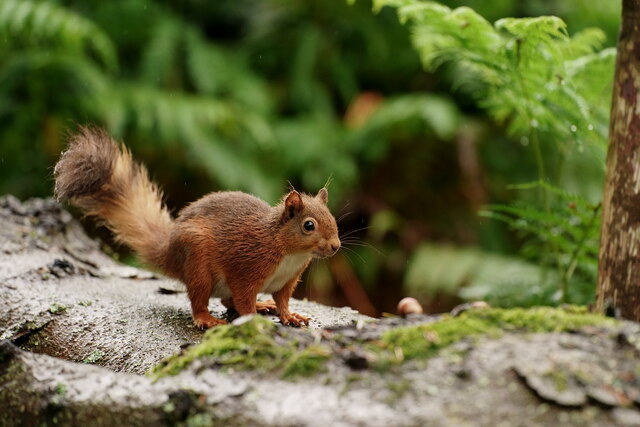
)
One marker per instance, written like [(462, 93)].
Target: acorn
[(408, 306)]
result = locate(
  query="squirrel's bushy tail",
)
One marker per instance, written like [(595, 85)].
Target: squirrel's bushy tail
[(100, 177)]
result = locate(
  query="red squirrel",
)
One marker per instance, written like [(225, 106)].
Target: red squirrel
[(227, 244)]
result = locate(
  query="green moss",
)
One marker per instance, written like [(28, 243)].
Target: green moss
[(254, 345), (559, 379), (61, 389), (200, 420), (56, 308), (258, 344), (419, 342), (93, 357), (306, 362), (398, 389)]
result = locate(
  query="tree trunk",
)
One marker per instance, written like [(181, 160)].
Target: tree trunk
[(619, 267)]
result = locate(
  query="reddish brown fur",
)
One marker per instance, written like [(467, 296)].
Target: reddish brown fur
[(228, 238)]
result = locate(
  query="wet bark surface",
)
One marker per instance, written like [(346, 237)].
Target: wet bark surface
[(79, 329), (619, 269)]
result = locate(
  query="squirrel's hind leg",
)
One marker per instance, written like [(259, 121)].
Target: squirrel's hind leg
[(199, 288)]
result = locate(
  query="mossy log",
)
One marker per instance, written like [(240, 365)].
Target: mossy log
[(80, 331)]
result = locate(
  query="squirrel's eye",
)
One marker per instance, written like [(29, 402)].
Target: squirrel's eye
[(309, 225)]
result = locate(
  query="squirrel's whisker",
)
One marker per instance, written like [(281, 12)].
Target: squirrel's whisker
[(343, 216), (365, 245), (354, 231), (355, 253)]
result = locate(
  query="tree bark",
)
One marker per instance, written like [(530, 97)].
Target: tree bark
[(619, 263)]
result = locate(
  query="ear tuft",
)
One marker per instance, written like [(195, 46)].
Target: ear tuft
[(323, 195), (292, 205)]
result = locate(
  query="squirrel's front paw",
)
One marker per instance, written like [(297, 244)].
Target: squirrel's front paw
[(206, 321), (294, 319)]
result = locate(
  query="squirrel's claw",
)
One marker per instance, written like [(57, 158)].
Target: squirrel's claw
[(294, 319), (206, 321), (266, 307)]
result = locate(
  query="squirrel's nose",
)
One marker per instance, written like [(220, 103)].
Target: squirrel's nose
[(335, 246)]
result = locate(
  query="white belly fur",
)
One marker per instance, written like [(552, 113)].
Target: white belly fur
[(286, 270)]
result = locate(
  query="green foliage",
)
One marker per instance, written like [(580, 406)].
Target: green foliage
[(250, 94), (25, 23), (547, 87), (570, 228), (414, 114), (477, 275), (527, 72), (183, 90), (222, 135)]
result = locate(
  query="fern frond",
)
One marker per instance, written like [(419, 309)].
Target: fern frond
[(439, 114), (571, 226), (161, 52), (585, 42), (37, 23), (218, 134), (527, 68), (214, 71), (79, 78)]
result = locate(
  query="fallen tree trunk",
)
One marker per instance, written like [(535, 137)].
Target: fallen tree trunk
[(80, 330)]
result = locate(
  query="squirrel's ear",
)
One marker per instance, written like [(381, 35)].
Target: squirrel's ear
[(323, 195), (292, 205)]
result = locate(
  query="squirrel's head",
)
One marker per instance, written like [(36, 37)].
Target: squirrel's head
[(309, 225)]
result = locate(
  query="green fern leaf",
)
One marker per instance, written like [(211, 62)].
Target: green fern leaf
[(36, 23)]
